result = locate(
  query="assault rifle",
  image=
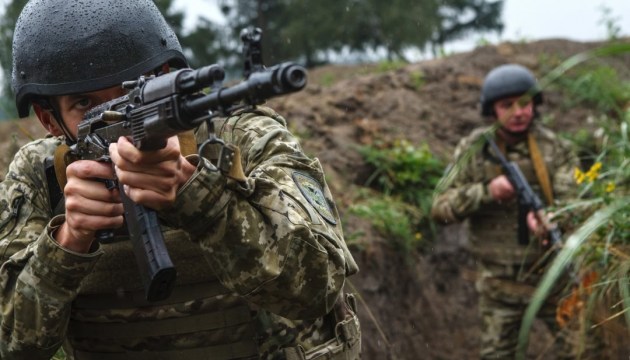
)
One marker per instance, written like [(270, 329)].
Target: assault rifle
[(157, 108), (527, 198)]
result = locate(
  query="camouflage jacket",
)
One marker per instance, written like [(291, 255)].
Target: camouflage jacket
[(274, 243), (494, 226)]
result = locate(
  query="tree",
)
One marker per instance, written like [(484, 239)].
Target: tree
[(7, 24), (458, 18), (310, 31), (403, 24), (207, 44), (264, 14)]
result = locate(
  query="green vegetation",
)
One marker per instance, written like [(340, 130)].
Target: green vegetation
[(598, 248), (417, 79), (404, 170), (328, 80), (481, 42), (387, 66), (595, 86), (406, 176), (60, 355), (485, 17), (392, 218), (610, 22)]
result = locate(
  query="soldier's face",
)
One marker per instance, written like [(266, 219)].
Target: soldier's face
[(74, 107), (515, 114)]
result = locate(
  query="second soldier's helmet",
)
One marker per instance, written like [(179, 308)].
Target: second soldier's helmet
[(68, 46), (505, 81)]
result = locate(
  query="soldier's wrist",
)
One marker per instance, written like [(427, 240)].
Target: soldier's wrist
[(487, 193), (66, 239)]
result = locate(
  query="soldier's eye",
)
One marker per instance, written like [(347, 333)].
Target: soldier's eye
[(83, 103)]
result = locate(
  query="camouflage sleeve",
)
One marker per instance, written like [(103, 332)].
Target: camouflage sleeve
[(277, 238), (467, 190), (39, 279)]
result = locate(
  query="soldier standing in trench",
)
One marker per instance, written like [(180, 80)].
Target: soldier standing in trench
[(481, 193)]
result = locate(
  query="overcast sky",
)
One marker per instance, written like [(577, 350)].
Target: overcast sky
[(524, 19), (570, 19)]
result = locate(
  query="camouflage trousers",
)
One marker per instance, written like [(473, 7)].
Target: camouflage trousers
[(502, 304)]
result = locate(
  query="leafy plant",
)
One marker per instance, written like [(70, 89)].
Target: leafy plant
[(483, 41), (417, 79), (387, 66), (392, 218), (406, 171), (328, 80), (60, 355)]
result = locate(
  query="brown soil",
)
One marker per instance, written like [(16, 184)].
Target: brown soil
[(420, 305)]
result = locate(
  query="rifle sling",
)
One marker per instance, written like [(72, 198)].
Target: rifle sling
[(540, 168), (55, 193), (61, 157), (187, 143), (542, 176)]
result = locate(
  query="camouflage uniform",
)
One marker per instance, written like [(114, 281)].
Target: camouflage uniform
[(502, 285), (251, 259)]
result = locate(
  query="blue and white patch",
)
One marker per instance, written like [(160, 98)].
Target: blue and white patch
[(314, 194)]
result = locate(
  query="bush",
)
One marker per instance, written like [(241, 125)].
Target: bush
[(408, 174)]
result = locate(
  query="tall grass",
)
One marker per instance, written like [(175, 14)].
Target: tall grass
[(601, 242)]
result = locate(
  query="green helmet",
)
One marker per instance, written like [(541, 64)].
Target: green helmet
[(64, 47), (505, 81)]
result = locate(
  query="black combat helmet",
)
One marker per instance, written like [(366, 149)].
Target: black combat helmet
[(63, 47), (505, 81)]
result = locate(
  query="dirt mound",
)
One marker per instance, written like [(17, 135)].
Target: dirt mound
[(423, 305), (420, 305)]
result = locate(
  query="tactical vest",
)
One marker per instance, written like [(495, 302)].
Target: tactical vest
[(494, 227), (111, 320)]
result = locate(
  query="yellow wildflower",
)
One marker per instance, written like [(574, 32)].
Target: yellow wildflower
[(593, 173), (578, 175), (418, 236), (610, 187)]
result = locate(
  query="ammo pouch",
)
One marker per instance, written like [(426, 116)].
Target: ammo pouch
[(347, 342)]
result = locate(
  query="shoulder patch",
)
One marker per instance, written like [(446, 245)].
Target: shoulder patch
[(312, 191)]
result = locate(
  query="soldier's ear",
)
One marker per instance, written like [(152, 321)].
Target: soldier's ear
[(47, 120)]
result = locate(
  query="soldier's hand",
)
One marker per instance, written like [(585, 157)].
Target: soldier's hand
[(501, 189), (90, 206), (538, 227), (151, 178)]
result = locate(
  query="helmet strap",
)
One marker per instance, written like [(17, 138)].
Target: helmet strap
[(53, 108)]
